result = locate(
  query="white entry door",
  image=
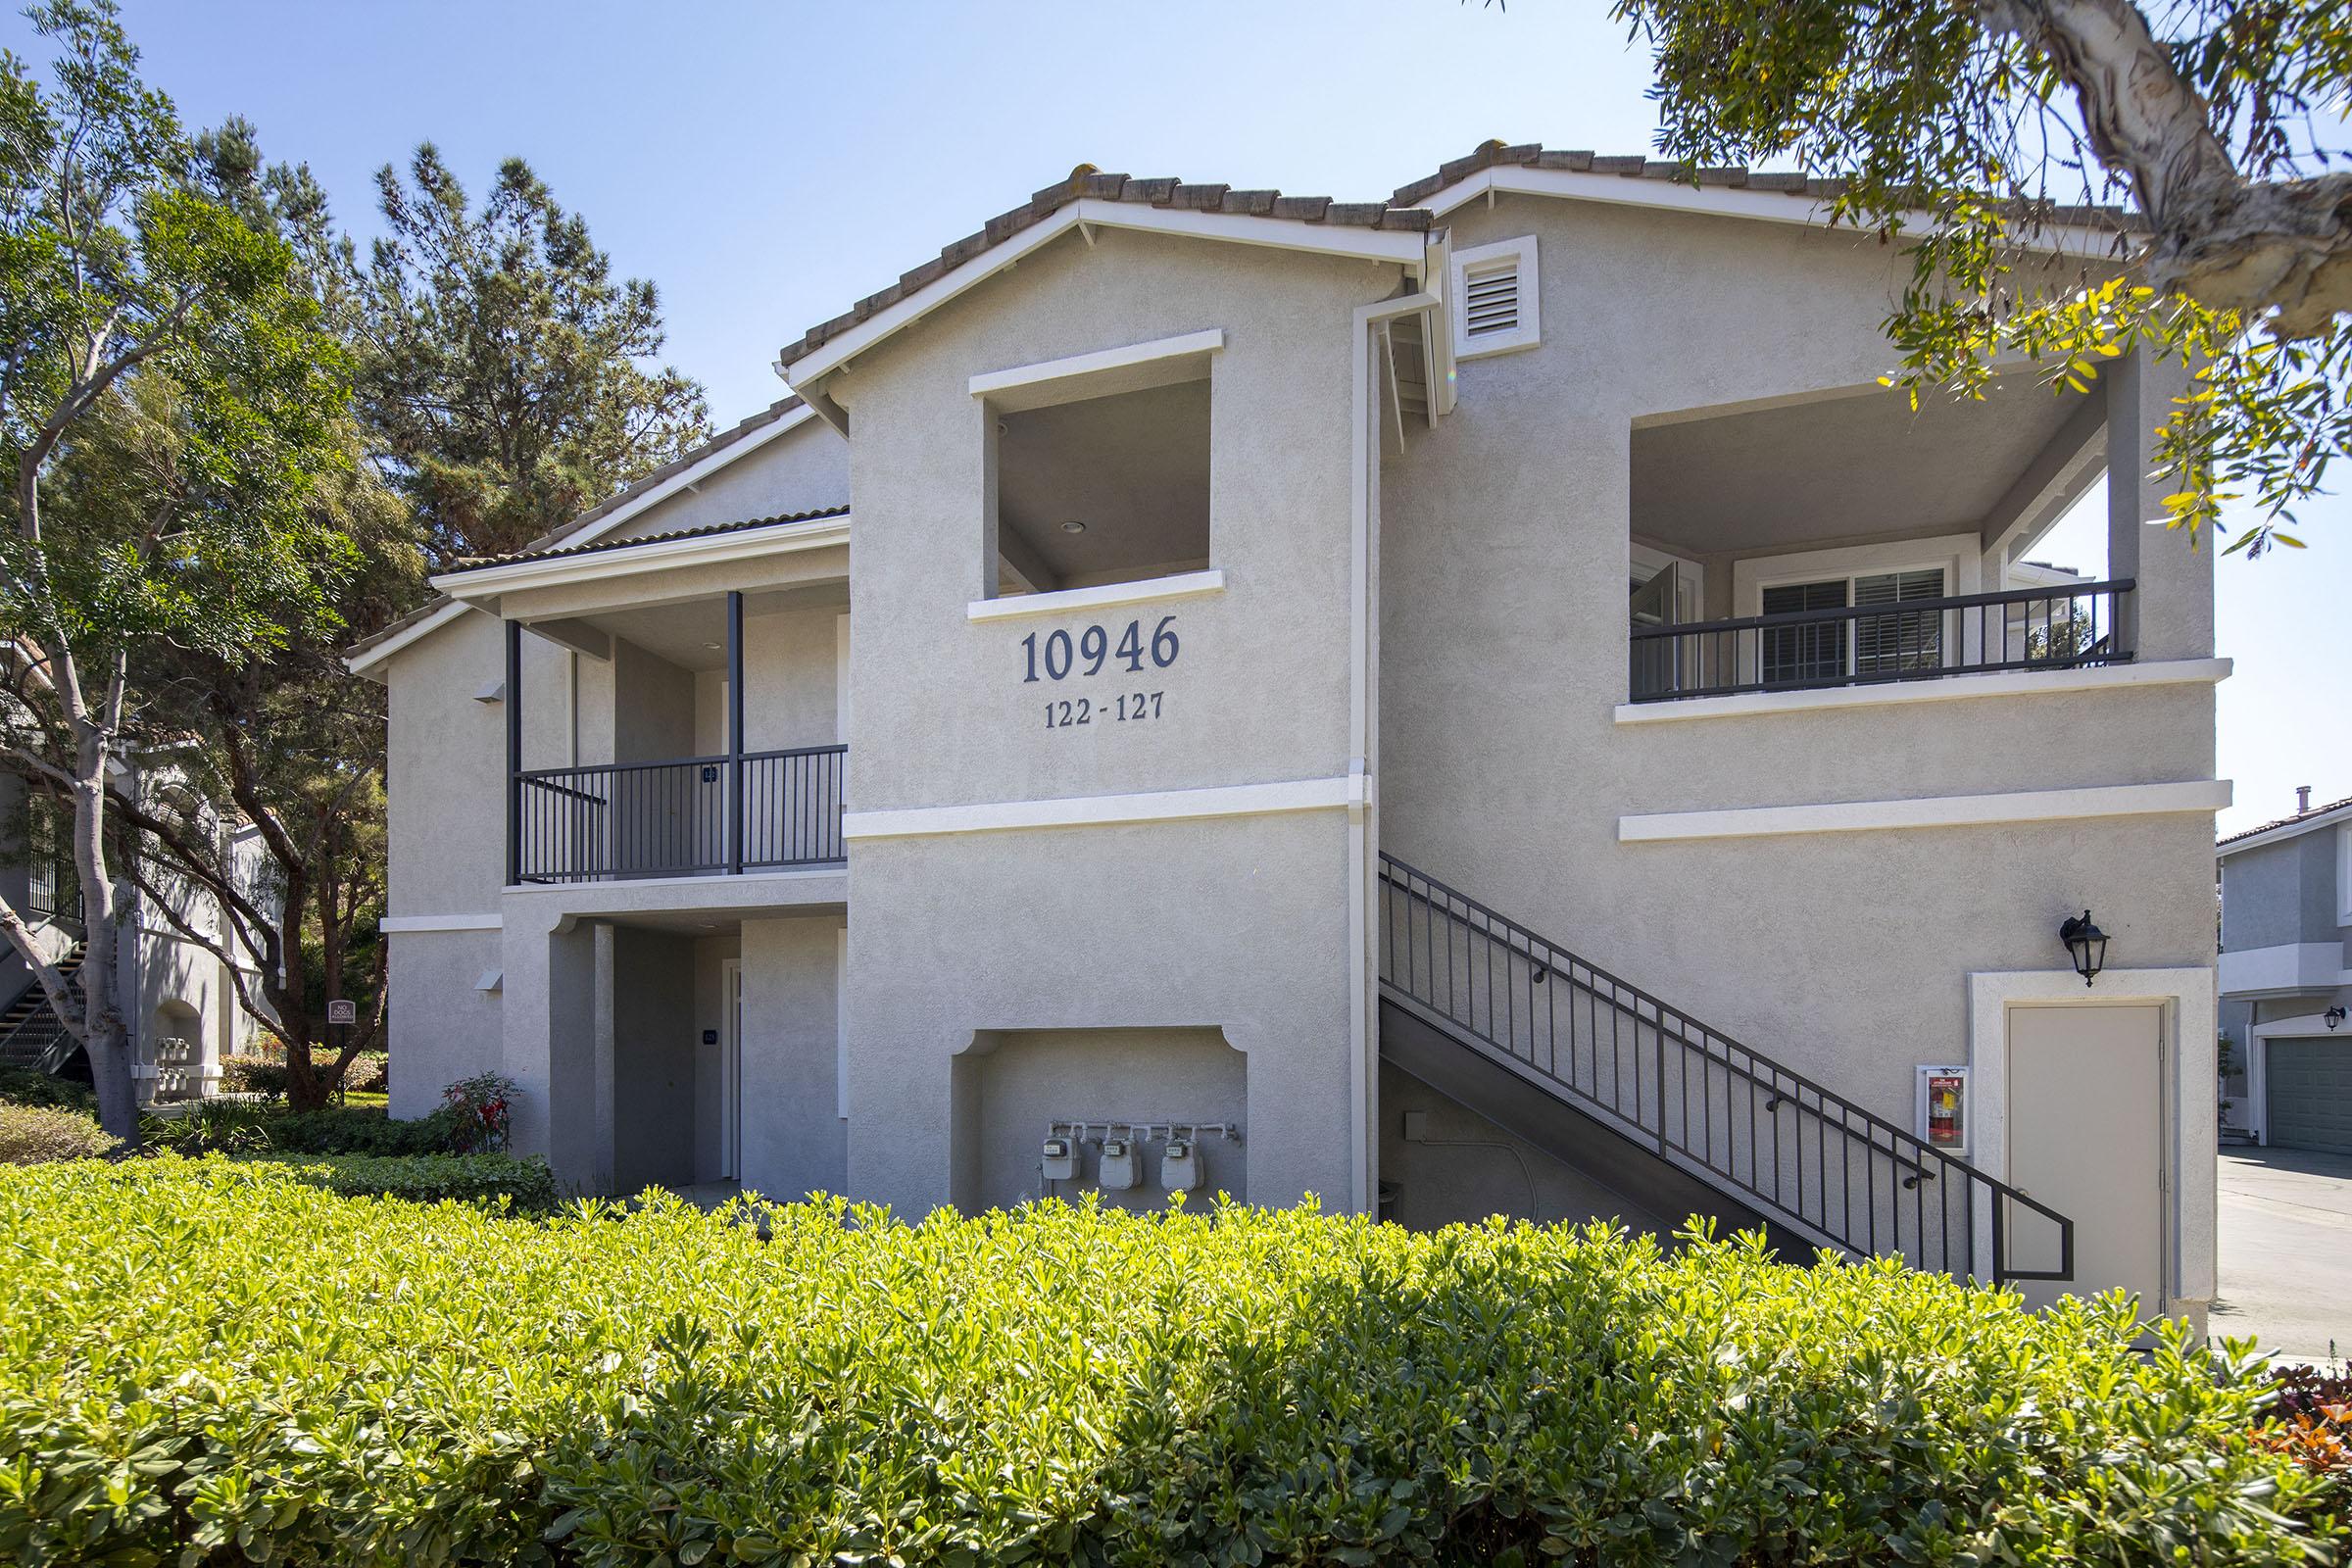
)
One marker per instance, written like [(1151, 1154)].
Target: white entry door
[(730, 1071), (2086, 1138)]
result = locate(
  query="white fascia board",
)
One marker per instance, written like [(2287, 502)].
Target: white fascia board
[(1407, 248), (622, 561), (1103, 596), (1097, 810), (1722, 201), (359, 663), (1100, 362), (685, 478), (1945, 811), (2287, 830), (1946, 689)]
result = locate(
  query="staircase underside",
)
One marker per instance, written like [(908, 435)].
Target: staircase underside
[(1656, 1192)]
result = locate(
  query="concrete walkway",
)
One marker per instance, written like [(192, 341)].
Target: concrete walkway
[(2287, 1251)]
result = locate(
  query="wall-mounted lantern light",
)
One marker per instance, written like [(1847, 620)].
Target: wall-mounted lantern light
[(2089, 944), (2334, 1016)]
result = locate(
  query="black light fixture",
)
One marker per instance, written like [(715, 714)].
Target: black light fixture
[(2087, 942), (2334, 1016)]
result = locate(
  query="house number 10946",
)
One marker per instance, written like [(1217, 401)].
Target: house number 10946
[(1059, 654)]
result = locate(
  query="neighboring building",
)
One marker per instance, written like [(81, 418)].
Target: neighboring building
[(1072, 715), (2286, 978), (179, 999)]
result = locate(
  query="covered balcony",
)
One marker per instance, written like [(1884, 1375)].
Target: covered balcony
[(1843, 540), (674, 704)]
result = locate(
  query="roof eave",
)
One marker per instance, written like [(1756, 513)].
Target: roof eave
[(482, 586), (1408, 248)]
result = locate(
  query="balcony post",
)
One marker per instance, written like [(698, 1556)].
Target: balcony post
[(735, 813), (513, 707)]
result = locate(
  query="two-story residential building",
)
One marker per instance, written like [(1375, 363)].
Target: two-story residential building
[(1204, 689), (2286, 977)]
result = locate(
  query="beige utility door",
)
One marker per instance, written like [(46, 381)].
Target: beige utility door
[(2086, 1138)]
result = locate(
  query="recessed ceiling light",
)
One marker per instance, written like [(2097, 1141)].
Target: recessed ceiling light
[(715, 647), (1073, 526)]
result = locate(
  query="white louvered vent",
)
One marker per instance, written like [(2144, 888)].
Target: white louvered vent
[(1491, 298), (1494, 299)]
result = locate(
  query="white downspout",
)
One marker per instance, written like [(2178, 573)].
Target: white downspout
[(1363, 490)]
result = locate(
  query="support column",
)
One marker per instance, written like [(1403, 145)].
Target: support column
[(735, 811), (513, 707), (2170, 613)]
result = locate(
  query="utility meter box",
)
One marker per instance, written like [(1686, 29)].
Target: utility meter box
[(1180, 1165), (1060, 1162), (1117, 1169)]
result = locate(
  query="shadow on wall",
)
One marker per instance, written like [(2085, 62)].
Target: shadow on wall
[(1013, 1085)]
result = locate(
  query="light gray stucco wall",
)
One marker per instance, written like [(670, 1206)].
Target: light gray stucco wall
[(1239, 924), (1468, 1168), (2281, 893), (1504, 773), (804, 470), (1138, 1075), (794, 1140)]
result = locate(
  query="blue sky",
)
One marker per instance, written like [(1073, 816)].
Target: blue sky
[(767, 164)]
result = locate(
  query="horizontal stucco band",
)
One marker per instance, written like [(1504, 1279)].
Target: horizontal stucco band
[(438, 922), (1952, 688), (1946, 811), (1089, 810)]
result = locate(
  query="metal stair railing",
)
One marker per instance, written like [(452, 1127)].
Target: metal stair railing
[(1772, 1138), (39, 1039)]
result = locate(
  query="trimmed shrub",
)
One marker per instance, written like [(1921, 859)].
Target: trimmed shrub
[(526, 1185), (253, 1075), (35, 1134), (369, 1073), (22, 1086), (252, 1369), (227, 1127)]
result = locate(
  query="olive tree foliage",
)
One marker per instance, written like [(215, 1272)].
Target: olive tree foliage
[(505, 373), (166, 399), (1972, 131)]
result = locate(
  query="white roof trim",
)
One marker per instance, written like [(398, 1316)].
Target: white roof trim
[(1408, 248), (628, 559), (2294, 827), (686, 479), (1723, 201)]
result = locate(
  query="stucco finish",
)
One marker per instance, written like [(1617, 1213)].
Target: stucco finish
[(794, 1140), (803, 469), (2282, 892), (1467, 1168), (654, 1058), (1098, 1075)]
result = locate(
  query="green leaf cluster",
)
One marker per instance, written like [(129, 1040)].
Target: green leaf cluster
[(257, 1370)]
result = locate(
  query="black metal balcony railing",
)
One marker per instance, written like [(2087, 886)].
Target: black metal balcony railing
[(52, 890), (696, 817), (1919, 639)]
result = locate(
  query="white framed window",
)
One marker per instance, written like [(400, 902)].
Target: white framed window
[(1497, 305), (1860, 577)]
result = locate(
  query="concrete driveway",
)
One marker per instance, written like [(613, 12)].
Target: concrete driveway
[(2287, 1251)]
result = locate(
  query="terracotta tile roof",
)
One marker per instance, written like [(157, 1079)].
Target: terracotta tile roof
[(602, 508), (597, 546), (2311, 815), (1401, 211), (1636, 166), (1086, 182)]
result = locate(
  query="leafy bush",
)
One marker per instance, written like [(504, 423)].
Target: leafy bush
[(33, 1135), (2312, 1425), (253, 1075), (528, 1184), (22, 1086), (229, 1127), (255, 1370), (481, 1107), (369, 1073)]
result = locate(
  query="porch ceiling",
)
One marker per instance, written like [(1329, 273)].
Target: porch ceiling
[(693, 634), (1846, 466)]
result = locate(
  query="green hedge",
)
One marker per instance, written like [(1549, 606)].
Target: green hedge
[(528, 1184), (210, 1361), (22, 1086), (235, 1127)]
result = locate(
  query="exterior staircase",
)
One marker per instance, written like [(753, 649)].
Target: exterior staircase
[(30, 1035), (1676, 1115)]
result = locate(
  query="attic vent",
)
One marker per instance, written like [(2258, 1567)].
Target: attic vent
[(1495, 299), (1490, 296)]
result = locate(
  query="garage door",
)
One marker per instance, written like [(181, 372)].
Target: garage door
[(2310, 1094)]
